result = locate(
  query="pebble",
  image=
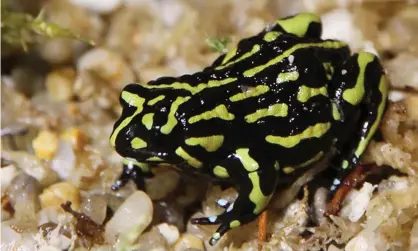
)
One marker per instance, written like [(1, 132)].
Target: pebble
[(98, 6), (33, 166), (339, 24), (131, 218), (45, 144), (170, 232), (108, 65), (356, 203), (189, 241), (7, 174), (60, 193), (59, 83)]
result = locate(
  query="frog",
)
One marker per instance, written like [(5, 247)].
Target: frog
[(276, 103)]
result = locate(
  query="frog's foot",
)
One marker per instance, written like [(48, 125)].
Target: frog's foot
[(223, 203), (231, 218), (134, 172), (251, 201)]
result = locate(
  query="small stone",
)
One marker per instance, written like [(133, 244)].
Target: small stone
[(108, 66), (189, 241), (60, 193), (76, 136), (59, 84), (45, 144), (170, 233), (99, 6), (130, 219)]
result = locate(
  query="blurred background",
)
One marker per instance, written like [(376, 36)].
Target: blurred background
[(63, 64)]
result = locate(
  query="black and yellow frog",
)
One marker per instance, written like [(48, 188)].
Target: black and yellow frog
[(279, 101)]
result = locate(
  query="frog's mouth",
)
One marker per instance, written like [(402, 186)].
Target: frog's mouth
[(148, 156)]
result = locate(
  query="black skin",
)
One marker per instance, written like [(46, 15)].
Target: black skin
[(344, 134)]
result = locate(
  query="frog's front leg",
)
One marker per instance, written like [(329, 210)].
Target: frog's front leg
[(135, 171), (360, 86), (256, 179)]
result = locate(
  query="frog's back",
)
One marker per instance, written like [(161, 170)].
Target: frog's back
[(270, 94)]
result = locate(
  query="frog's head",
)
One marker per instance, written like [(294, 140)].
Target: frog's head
[(137, 134)]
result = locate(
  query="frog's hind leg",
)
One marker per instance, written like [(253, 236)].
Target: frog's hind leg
[(257, 179), (360, 85), (301, 25), (135, 171)]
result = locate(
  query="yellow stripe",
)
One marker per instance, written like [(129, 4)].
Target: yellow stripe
[(133, 100), (210, 143), (329, 69), (155, 158), (218, 112), (285, 54), (299, 24), (138, 143), (252, 92), (335, 112), (221, 172), (383, 88), (229, 55), (276, 166), (256, 195), (288, 169), (253, 51), (315, 131), (155, 100), (171, 119), (287, 76), (271, 36), (190, 88), (148, 120), (305, 93), (247, 162), (276, 110), (190, 160), (312, 160), (356, 94)]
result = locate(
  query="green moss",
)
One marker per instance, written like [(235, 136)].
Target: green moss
[(22, 30), (218, 44)]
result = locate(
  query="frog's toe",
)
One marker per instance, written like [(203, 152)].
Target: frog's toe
[(221, 231), (223, 203), (212, 220), (225, 226)]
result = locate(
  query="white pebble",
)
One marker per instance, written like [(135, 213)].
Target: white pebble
[(339, 24), (368, 46), (396, 96), (171, 12), (131, 218), (7, 174), (356, 203), (343, 72), (108, 65), (64, 160), (99, 6), (170, 233)]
